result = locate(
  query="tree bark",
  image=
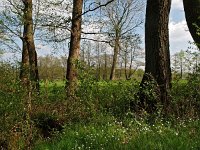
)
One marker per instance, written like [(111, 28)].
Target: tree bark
[(98, 70), (24, 70), (28, 38), (125, 66), (192, 15), (157, 60), (105, 67), (131, 63), (74, 51), (114, 62)]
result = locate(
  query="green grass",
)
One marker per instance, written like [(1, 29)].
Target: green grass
[(109, 134), (48, 83)]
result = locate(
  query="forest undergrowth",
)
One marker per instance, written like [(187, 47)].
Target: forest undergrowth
[(102, 115)]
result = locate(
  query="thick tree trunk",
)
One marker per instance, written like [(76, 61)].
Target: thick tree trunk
[(28, 36), (74, 52), (157, 61), (114, 62), (192, 15)]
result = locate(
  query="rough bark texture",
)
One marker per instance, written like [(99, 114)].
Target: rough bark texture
[(157, 60), (192, 15), (28, 38), (74, 52)]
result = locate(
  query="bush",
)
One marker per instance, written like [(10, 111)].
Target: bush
[(186, 97), (112, 97)]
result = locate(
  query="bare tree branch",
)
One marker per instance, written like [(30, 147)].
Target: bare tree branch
[(101, 41), (100, 5)]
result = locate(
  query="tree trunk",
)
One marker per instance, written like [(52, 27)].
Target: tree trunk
[(192, 15), (74, 51), (105, 67), (125, 67), (120, 71), (28, 36), (114, 62), (157, 60), (98, 70), (24, 70), (88, 58), (181, 66), (130, 67)]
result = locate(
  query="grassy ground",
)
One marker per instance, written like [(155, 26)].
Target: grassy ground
[(110, 134), (104, 121)]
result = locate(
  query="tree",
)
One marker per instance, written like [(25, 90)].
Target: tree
[(179, 63), (29, 45), (51, 68), (181, 58), (11, 24), (185, 62), (86, 48), (124, 17), (192, 15), (157, 59), (130, 51), (17, 21), (53, 22), (74, 51), (2, 39), (1, 53)]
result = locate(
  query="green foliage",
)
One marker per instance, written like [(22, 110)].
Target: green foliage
[(186, 97), (99, 117), (51, 68), (11, 103), (51, 91), (111, 97)]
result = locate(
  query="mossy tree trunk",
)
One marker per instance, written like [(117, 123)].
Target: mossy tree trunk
[(74, 51), (157, 60)]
